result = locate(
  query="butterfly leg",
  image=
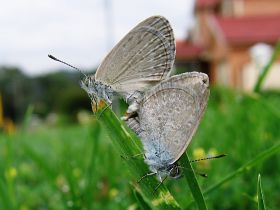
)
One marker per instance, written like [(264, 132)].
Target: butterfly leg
[(131, 111), (161, 182), (133, 100), (133, 156), (146, 175)]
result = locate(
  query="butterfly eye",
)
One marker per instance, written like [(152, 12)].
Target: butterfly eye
[(175, 172)]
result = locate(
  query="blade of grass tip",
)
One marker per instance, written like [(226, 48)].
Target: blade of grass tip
[(192, 181), (267, 68), (141, 202), (246, 167), (127, 146), (261, 203), (27, 117)]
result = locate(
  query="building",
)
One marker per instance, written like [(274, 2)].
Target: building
[(231, 41)]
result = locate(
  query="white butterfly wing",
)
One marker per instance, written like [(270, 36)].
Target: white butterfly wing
[(170, 114), (141, 59)]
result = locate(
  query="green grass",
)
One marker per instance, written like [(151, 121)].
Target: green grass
[(266, 69), (80, 167), (129, 145), (261, 203)]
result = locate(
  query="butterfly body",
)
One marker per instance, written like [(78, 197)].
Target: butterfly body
[(143, 58), (168, 117), (97, 90)]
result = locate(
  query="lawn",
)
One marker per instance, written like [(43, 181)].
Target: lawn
[(79, 166)]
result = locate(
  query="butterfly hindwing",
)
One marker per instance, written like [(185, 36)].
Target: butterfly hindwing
[(170, 113)]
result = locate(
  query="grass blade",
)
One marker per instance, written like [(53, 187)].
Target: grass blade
[(192, 181), (261, 203), (261, 157), (128, 145), (247, 166), (267, 68), (91, 167), (141, 202), (40, 161), (27, 117), (4, 197)]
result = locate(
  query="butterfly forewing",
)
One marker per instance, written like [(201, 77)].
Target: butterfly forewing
[(142, 58), (170, 113)]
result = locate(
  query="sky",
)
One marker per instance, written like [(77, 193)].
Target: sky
[(78, 32)]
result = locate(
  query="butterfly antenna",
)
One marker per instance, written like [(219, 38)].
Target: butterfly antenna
[(198, 173), (56, 59), (208, 158)]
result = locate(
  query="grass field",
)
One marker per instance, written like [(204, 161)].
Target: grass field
[(77, 166)]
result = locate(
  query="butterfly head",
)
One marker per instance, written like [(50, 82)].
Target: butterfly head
[(174, 171), (99, 93), (89, 85)]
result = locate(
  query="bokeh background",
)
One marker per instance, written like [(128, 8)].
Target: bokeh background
[(50, 154)]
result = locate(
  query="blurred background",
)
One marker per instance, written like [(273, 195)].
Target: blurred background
[(51, 156)]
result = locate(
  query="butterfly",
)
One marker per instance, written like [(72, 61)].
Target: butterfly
[(168, 117), (143, 58)]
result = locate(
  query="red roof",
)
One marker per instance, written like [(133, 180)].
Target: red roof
[(187, 50), (248, 30), (206, 3)]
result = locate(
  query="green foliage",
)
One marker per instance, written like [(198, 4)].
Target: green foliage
[(71, 102), (127, 145), (266, 69), (141, 202), (246, 167), (47, 93), (80, 167), (261, 203), (193, 184), (15, 88)]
